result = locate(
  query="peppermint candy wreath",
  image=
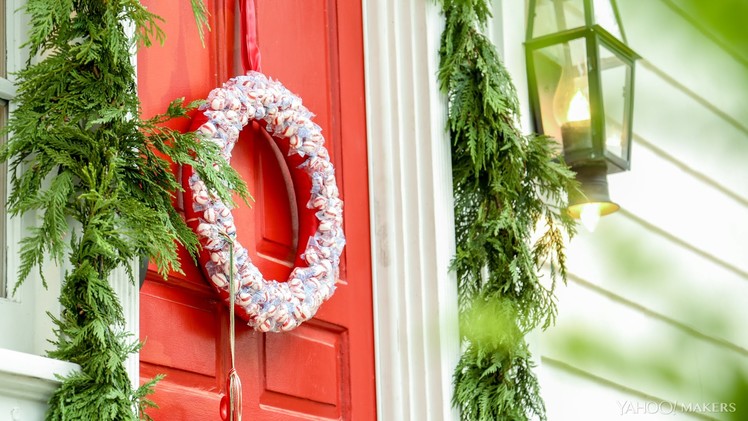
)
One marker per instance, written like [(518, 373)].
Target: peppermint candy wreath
[(269, 305)]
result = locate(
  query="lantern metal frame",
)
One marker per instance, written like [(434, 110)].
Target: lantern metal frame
[(595, 37)]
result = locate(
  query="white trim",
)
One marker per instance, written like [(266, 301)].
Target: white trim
[(129, 295), (30, 376), (7, 89), (415, 297), (509, 26), (129, 292)]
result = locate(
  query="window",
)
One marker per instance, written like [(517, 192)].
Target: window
[(4, 97), (3, 190), (24, 325), (3, 45)]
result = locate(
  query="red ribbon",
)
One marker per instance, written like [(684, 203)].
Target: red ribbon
[(231, 402), (250, 50)]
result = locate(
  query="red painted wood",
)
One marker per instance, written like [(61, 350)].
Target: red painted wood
[(320, 348), (177, 317), (269, 225), (324, 369)]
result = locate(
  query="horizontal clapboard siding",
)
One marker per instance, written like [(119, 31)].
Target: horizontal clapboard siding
[(657, 298)]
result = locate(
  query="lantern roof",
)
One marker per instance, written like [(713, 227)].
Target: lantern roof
[(556, 16)]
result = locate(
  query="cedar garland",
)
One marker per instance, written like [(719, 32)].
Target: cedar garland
[(504, 184), (100, 179)]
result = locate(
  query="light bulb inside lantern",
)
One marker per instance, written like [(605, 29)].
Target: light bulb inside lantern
[(570, 100), (579, 108), (590, 215)]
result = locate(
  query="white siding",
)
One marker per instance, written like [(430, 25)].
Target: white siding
[(658, 296)]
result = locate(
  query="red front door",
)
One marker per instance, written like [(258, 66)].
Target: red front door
[(325, 368)]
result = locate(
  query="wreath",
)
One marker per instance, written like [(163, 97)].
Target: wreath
[(268, 305)]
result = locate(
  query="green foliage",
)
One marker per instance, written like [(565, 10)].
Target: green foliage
[(200, 10), (496, 385), (100, 180), (506, 186)]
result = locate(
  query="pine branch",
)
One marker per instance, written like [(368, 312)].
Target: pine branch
[(200, 10), (504, 184), (80, 153)]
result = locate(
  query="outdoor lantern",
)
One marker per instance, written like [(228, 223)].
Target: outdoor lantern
[(581, 78)]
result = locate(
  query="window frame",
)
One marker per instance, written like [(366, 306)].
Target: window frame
[(17, 310)]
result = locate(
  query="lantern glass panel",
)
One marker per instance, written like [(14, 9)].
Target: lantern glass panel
[(614, 78), (553, 16), (605, 16), (563, 89)]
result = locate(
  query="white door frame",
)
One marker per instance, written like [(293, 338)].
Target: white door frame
[(410, 185)]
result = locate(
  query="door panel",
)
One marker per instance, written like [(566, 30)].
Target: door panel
[(303, 54), (268, 228), (298, 375), (325, 368)]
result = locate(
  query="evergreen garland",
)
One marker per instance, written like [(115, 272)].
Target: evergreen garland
[(505, 184), (100, 179)]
